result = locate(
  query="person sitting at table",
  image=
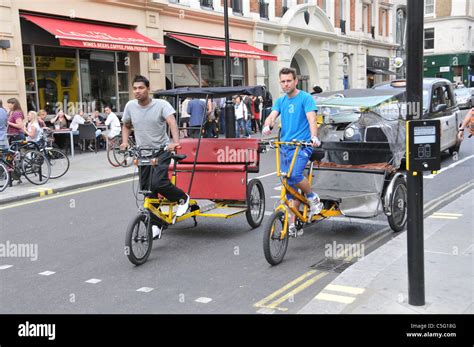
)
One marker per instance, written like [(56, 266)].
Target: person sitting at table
[(32, 129), (96, 118), (113, 124), (81, 119), (60, 120), (41, 118)]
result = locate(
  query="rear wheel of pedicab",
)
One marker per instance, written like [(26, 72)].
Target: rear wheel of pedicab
[(111, 145), (255, 203), (398, 206), (139, 239), (274, 248)]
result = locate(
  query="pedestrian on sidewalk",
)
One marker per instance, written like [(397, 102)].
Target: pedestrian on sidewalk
[(150, 118), (3, 126), (240, 117), (197, 109), (468, 122), (16, 120)]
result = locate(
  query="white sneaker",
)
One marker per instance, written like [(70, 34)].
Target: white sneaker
[(182, 207), (315, 206), (293, 232), (156, 232)]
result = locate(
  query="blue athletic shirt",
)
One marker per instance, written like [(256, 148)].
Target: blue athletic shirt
[(294, 124)]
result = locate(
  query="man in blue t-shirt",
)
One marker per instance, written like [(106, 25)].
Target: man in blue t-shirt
[(298, 123)]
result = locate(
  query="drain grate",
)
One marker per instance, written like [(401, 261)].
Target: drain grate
[(332, 264)]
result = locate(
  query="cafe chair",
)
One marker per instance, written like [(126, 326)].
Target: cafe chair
[(87, 132)]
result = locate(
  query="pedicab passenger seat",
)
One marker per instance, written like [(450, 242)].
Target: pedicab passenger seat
[(221, 167)]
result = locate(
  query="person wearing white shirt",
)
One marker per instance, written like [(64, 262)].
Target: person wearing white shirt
[(113, 124), (241, 116)]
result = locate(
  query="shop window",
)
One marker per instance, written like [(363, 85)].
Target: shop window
[(212, 72), (56, 70), (184, 72), (27, 56), (99, 85)]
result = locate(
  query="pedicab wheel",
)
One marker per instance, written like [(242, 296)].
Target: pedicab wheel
[(398, 206), (274, 248), (255, 203), (139, 239)]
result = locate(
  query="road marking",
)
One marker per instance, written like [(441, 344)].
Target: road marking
[(358, 220), (433, 204), (275, 197), (442, 217), (295, 291), (344, 289), (42, 191), (93, 281), (60, 195), (266, 311), (270, 174), (448, 214), (144, 289), (4, 267), (335, 298), (449, 167), (267, 302), (203, 300), (262, 302), (47, 273)]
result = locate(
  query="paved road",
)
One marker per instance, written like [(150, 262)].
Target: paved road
[(216, 267)]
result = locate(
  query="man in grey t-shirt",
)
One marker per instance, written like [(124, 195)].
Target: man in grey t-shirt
[(149, 118)]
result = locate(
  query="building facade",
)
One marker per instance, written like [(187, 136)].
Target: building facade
[(449, 40), (334, 44)]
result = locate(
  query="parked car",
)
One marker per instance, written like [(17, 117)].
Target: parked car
[(464, 97), (438, 103)]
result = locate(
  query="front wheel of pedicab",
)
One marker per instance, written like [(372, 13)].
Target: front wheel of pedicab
[(138, 239), (255, 203), (274, 247), (398, 205)]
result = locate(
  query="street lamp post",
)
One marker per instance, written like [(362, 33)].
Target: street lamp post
[(229, 106)]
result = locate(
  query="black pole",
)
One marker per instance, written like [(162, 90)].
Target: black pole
[(415, 242), (229, 106)]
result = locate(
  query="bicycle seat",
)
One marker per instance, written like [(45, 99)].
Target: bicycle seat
[(178, 157)]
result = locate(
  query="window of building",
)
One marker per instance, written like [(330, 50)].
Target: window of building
[(429, 38), (237, 6), (207, 4), (68, 79), (429, 7), (365, 16)]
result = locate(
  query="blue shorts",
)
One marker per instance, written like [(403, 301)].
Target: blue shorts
[(297, 174)]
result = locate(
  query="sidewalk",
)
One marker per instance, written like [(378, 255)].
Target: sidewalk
[(378, 283), (85, 169)]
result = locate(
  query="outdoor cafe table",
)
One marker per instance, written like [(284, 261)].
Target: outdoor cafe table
[(71, 137)]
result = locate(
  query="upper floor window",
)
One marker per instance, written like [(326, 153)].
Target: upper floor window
[(429, 7), (237, 6), (263, 8), (429, 38), (207, 3)]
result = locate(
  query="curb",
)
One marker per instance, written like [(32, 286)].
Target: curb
[(51, 191)]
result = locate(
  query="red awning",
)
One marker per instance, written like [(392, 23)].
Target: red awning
[(217, 47), (95, 36)]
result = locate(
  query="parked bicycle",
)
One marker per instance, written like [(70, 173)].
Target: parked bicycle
[(115, 156), (23, 161)]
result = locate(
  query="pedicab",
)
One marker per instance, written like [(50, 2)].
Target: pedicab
[(214, 172), (357, 179)]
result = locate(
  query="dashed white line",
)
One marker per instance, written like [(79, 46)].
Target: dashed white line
[(47, 273), (93, 281), (144, 289), (203, 300), (4, 267)]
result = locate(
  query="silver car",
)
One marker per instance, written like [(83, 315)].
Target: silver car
[(464, 97)]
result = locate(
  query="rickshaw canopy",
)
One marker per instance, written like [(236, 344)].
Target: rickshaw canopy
[(211, 92)]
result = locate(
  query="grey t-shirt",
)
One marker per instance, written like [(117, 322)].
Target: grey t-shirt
[(149, 122)]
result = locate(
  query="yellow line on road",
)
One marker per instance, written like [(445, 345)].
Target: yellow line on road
[(344, 289), (60, 195), (297, 290), (284, 289), (335, 298)]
